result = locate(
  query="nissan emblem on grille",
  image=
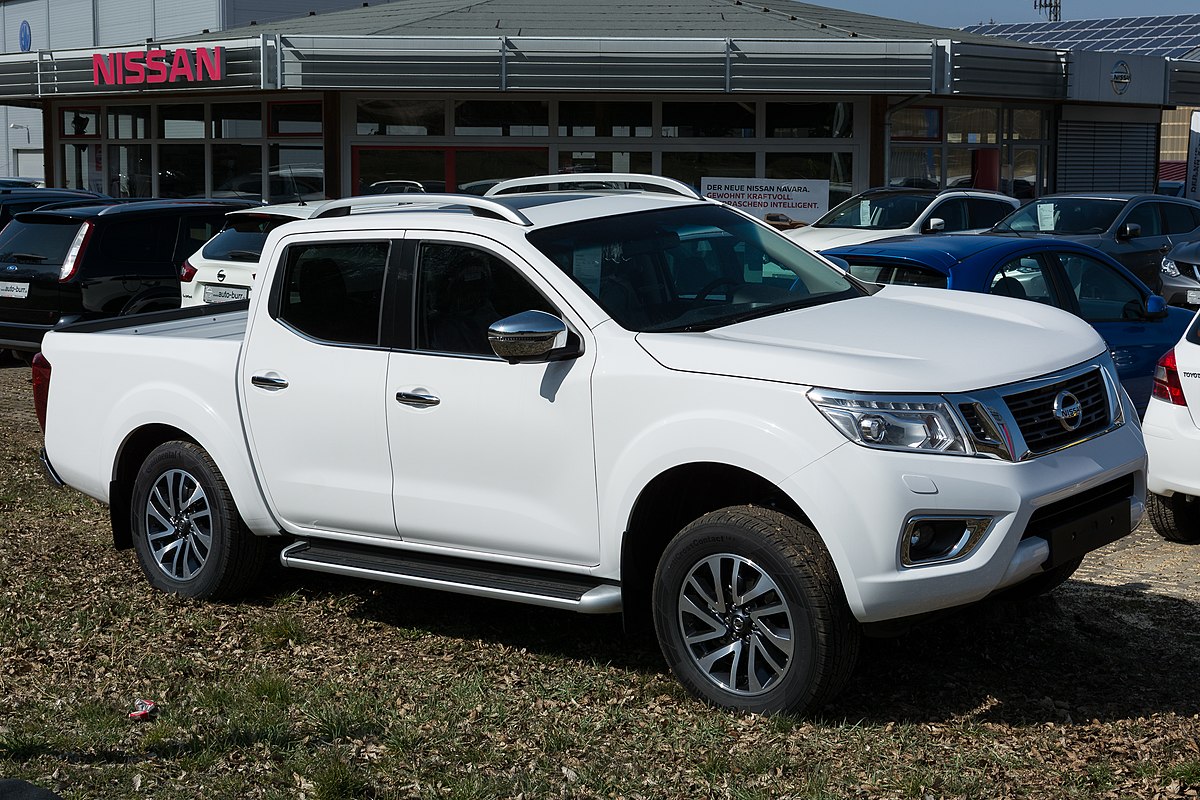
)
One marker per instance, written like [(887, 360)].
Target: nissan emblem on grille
[(1068, 411)]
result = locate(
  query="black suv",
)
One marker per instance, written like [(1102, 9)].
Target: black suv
[(17, 199), (96, 258)]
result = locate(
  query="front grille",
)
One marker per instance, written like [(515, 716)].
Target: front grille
[(1033, 411), (970, 414)]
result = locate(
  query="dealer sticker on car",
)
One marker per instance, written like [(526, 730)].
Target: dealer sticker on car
[(14, 290), (223, 294)]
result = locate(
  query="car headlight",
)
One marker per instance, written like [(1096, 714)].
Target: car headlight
[(924, 423), (1170, 268)]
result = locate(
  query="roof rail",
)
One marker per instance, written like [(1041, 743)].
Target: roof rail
[(671, 185), (479, 206)]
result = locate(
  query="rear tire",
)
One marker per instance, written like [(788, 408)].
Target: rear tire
[(750, 613), (1175, 518), (188, 535)]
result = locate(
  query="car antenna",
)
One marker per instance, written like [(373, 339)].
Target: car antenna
[(296, 186)]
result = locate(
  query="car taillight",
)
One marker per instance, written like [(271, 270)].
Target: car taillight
[(1166, 380), (186, 272), (74, 258), (41, 388)]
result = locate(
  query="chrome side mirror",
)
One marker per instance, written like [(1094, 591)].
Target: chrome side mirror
[(531, 336), (935, 225), (1129, 230)]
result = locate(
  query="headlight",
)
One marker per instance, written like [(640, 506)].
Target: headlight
[(1169, 268), (893, 422)]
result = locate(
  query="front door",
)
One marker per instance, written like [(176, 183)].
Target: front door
[(488, 457)]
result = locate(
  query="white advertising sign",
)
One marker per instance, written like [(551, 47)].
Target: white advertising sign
[(1191, 183), (797, 200)]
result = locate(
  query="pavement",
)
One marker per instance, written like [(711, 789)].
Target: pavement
[(1140, 562)]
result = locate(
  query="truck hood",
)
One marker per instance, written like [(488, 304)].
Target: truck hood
[(901, 339)]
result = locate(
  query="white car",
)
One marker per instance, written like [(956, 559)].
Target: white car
[(885, 212), (1172, 432)]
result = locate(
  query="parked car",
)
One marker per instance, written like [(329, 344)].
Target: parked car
[(405, 187), (1181, 275), (15, 200), (1172, 432), (1135, 229), (882, 213), (1137, 325), (21, 183), (602, 402), (98, 259), (224, 268)]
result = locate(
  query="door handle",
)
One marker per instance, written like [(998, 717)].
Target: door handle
[(417, 400), (268, 382)]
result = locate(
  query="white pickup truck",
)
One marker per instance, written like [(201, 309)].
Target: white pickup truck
[(605, 401)]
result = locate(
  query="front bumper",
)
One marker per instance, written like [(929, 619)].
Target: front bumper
[(860, 500), (1175, 289)]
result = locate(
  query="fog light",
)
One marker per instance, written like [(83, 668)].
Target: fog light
[(938, 540)]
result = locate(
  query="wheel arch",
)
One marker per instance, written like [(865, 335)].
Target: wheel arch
[(670, 501), (130, 456)]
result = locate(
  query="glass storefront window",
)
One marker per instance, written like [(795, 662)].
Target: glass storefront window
[(477, 170), (181, 170), (972, 125), (237, 171), (81, 167), (237, 120), (1028, 123), (377, 165), (297, 173), (129, 122), (619, 120), (608, 161), (810, 120), (837, 168), (692, 167), (78, 122), (295, 118), (916, 122), (380, 117), (918, 167), (181, 122), (1020, 179), (708, 120), (129, 171), (502, 118)]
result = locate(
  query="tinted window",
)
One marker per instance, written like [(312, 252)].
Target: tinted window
[(147, 240), (1146, 215), (243, 238), (654, 271), (37, 242), (986, 213), (195, 230), (1178, 218), (1025, 278), (1104, 294), (884, 211), (953, 212), (333, 291), (461, 291)]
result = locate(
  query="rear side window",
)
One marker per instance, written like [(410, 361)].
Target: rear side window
[(242, 238), (1179, 218), (901, 274), (37, 242), (333, 291), (146, 240)]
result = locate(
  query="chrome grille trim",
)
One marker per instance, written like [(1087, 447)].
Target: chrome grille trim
[(1000, 432)]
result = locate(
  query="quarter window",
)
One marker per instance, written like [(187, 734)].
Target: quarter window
[(333, 291)]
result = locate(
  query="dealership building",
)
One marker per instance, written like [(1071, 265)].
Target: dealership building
[(211, 98)]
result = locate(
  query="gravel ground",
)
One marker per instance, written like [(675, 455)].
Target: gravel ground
[(1142, 562)]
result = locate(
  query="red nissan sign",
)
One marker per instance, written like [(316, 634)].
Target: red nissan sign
[(158, 66)]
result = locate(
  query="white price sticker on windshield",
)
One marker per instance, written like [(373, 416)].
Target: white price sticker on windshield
[(13, 290)]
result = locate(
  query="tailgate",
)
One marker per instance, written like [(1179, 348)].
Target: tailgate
[(31, 258)]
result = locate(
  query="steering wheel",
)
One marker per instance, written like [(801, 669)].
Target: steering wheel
[(712, 286)]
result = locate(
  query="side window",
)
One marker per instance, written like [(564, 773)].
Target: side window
[(1146, 215), (333, 291), (1178, 218), (195, 231), (953, 212), (1025, 278), (986, 213), (1104, 294), (142, 240), (461, 291), (902, 274)]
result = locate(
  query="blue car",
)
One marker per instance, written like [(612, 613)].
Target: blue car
[(1137, 324)]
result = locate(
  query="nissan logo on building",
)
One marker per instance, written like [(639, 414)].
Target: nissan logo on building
[(1121, 77), (1068, 411)]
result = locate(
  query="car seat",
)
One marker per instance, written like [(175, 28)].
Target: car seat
[(1009, 286)]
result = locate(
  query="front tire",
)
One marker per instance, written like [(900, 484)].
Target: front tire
[(187, 533), (1175, 518), (750, 613)]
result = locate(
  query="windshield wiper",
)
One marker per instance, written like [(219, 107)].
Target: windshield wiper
[(23, 258), (242, 255), (754, 313)]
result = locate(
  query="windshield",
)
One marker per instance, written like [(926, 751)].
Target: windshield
[(1064, 215), (690, 268), (243, 237), (877, 212)]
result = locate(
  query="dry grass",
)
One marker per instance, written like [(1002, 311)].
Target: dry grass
[(328, 688)]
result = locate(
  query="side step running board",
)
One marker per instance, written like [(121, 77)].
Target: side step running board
[(483, 579)]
